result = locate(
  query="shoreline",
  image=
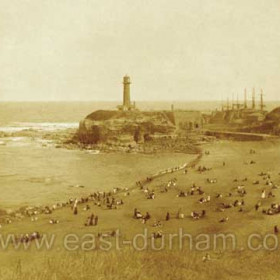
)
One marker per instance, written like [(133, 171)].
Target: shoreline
[(18, 213)]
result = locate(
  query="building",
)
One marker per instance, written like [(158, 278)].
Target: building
[(127, 105)]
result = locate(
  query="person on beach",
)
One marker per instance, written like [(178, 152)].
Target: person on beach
[(147, 216), (75, 207), (263, 194), (135, 213), (257, 206), (86, 208), (180, 215), (167, 218), (206, 258), (90, 220), (224, 220), (96, 220)]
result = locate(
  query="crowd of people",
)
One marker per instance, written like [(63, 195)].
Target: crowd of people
[(240, 194)]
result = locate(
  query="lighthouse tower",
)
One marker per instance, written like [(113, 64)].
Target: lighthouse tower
[(127, 105), (126, 92)]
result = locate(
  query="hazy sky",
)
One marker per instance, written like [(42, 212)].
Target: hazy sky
[(172, 49)]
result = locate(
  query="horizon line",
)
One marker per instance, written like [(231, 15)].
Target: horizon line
[(140, 101)]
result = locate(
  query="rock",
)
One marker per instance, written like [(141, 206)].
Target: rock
[(124, 128)]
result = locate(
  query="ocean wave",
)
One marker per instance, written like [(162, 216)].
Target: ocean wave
[(47, 126)]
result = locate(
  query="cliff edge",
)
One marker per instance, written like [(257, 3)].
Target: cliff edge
[(125, 127)]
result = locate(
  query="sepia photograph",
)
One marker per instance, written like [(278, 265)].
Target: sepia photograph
[(139, 140)]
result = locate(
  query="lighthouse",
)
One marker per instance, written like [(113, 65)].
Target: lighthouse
[(126, 92), (127, 105)]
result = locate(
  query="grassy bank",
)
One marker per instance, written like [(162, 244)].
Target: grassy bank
[(149, 265)]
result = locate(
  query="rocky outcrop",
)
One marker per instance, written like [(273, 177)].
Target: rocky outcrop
[(125, 127)]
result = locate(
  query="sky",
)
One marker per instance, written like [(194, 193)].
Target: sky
[(79, 50)]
